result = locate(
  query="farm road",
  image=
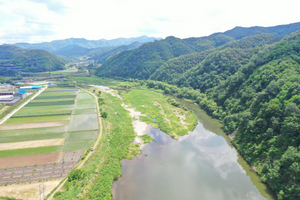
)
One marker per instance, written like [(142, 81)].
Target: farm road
[(16, 110), (90, 153)]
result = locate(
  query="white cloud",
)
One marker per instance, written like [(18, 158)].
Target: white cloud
[(36, 21)]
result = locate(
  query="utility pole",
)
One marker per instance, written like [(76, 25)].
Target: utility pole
[(42, 191)]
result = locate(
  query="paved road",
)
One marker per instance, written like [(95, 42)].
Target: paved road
[(16, 110)]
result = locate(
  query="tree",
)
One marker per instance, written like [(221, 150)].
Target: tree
[(104, 114)]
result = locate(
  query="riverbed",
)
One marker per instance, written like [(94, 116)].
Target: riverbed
[(202, 165)]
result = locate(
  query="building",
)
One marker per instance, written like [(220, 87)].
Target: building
[(36, 87), (10, 100), (5, 94), (20, 94)]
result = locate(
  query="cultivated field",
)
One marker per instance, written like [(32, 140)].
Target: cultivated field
[(48, 136)]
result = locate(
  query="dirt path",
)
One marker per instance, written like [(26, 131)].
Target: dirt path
[(90, 153)]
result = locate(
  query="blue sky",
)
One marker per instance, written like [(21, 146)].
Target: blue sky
[(46, 20)]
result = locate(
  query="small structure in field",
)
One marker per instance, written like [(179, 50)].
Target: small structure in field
[(20, 94)]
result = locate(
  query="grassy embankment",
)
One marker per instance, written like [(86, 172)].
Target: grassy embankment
[(166, 114), (104, 166)]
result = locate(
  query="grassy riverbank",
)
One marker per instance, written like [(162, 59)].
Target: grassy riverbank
[(162, 112), (104, 165)]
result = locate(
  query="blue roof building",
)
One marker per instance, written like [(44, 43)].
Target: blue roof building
[(21, 91)]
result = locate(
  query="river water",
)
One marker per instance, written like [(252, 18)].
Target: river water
[(202, 165)]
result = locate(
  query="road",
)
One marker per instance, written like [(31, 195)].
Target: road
[(16, 110), (91, 152)]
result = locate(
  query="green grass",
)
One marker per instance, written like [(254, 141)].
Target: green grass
[(23, 138), (37, 119), (32, 131), (146, 138), (156, 106), (83, 122), (84, 111), (29, 151)]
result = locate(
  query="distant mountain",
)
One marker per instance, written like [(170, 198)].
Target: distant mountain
[(27, 60), (241, 32), (105, 53), (88, 44), (72, 50)]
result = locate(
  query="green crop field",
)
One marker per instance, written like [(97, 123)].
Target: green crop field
[(79, 140), (37, 119), (55, 97), (84, 95), (51, 100), (42, 113), (85, 101), (83, 122), (85, 106), (32, 131), (81, 135), (29, 151), (26, 137), (50, 94), (47, 108), (84, 111), (50, 103), (61, 88)]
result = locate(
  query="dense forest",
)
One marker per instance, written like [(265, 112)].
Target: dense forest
[(14, 59), (252, 85)]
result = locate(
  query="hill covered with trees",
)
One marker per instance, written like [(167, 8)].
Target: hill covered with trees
[(252, 85), (13, 59)]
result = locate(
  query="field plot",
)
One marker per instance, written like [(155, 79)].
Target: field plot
[(83, 122), (29, 151), (84, 111), (33, 125), (38, 119), (42, 130), (41, 172), (79, 140)]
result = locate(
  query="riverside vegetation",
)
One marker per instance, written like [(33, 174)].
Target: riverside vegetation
[(253, 89), (104, 166)]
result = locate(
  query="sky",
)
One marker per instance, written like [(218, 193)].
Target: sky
[(35, 21)]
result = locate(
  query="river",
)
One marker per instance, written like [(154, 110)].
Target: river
[(202, 165)]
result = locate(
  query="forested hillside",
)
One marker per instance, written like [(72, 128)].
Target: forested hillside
[(252, 85), (13, 58), (141, 63)]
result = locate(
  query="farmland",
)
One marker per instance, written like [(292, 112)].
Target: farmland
[(51, 132)]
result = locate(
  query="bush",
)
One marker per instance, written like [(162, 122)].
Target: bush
[(104, 114), (76, 174)]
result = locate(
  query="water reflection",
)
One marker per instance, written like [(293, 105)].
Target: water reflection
[(200, 165)]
